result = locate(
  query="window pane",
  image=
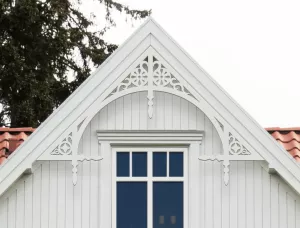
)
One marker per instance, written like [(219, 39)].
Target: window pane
[(139, 164), (176, 164), (123, 164), (131, 205), (159, 164), (168, 204)]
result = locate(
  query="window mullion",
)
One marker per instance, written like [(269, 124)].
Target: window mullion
[(150, 190), (130, 163), (168, 155)]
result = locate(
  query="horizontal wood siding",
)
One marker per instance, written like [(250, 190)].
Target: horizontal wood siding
[(47, 199)]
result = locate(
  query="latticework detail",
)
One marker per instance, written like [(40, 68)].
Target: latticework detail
[(64, 148), (162, 77), (236, 148), (137, 78)]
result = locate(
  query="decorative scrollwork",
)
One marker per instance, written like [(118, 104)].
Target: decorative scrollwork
[(137, 78), (236, 148), (64, 148), (151, 75), (163, 77)]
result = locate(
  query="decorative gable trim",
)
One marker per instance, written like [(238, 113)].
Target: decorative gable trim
[(196, 86)]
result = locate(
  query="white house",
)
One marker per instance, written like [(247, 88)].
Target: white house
[(150, 140)]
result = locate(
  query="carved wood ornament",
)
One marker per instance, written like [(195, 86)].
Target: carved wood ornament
[(150, 75)]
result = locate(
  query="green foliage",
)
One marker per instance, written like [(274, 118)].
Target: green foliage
[(41, 43)]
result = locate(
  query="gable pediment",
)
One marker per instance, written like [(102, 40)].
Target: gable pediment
[(150, 61)]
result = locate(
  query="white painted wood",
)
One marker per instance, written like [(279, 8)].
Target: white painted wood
[(135, 116), (297, 213), (176, 110), (36, 200), (86, 175), (45, 191), (77, 197), (28, 202), (266, 199), (258, 198), (53, 194), (12, 210), (20, 210), (4, 212), (127, 113), (282, 207), (233, 205), (46, 198), (106, 192), (249, 194), (70, 205), (274, 202), (61, 194), (88, 100), (143, 110), (94, 177), (291, 211), (241, 193), (233, 185), (208, 175), (217, 188), (194, 176), (243, 203)]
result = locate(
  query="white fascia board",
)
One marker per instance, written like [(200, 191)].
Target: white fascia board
[(71, 109), (227, 108)]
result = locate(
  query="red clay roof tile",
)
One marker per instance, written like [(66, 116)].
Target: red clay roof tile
[(289, 138), (10, 139)]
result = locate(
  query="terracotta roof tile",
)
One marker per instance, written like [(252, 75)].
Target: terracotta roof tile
[(289, 138), (10, 139)]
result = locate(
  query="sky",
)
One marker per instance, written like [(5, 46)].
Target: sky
[(251, 48)]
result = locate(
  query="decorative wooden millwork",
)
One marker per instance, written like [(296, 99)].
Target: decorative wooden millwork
[(162, 77), (76, 159), (65, 147), (236, 148), (64, 152), (233, 151), (151, 74), (138, 77)]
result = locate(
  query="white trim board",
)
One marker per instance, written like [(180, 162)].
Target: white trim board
[(216, 104), (151, 135)]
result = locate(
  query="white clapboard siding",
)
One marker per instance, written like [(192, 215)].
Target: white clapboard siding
[(47, 198)]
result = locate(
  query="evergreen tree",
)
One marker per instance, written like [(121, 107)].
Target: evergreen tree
[(41, 43)]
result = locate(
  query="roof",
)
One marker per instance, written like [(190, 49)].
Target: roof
[(11, 138), (289, 138)]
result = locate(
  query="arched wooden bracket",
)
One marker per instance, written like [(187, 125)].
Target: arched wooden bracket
[(236, 152)]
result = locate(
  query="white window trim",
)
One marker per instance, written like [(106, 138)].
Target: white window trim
[(150, 179)]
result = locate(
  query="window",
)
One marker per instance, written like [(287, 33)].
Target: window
[(149, 188)]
